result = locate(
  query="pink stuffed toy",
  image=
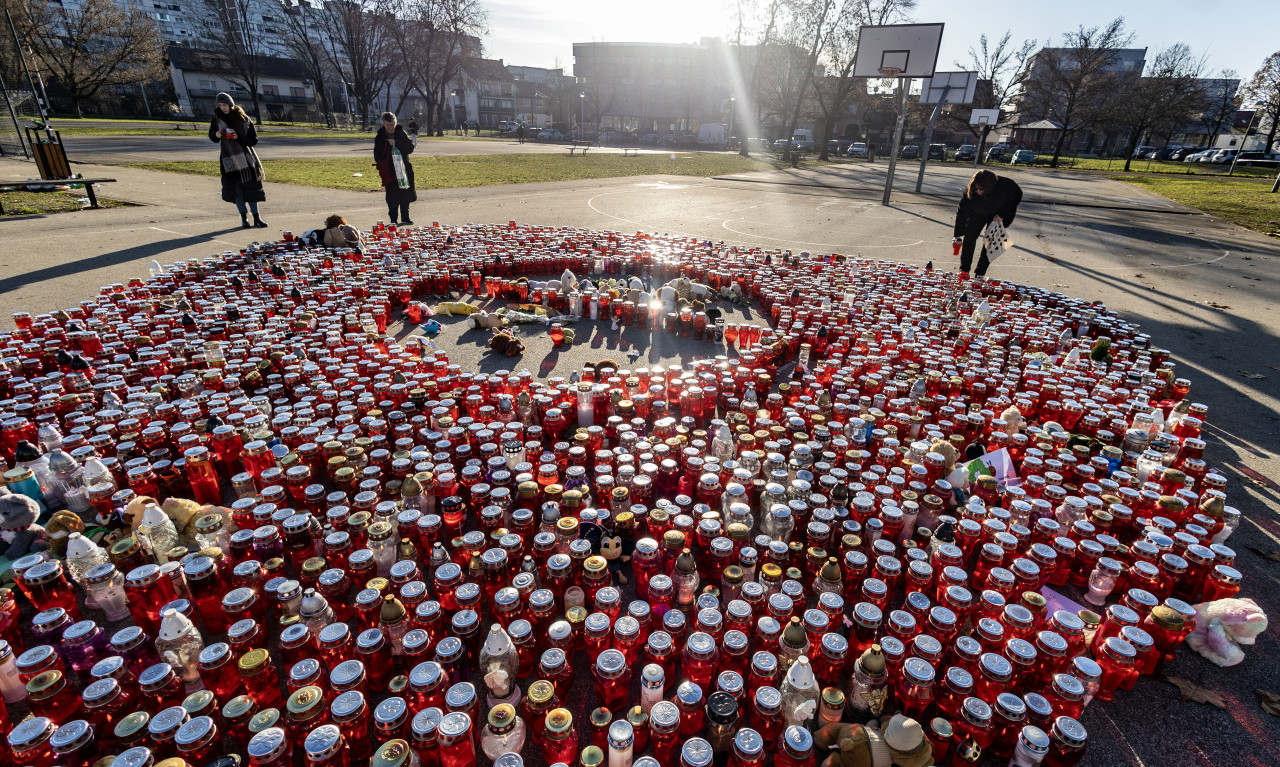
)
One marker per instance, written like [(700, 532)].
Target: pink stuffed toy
[(1223, 625)]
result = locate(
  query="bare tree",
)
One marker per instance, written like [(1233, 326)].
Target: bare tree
[(96, 44), (1167, 97), (808, 27), (1221, 102), (229, 29), (301, 20), (836, 88), (360, 49), (1003, 68), (1069, 83), (1264, 87)]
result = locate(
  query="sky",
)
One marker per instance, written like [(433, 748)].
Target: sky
[(534, 33)]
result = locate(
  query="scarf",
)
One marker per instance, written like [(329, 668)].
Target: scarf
[(240, 159)]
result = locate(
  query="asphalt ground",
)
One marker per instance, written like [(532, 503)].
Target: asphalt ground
[(1202, 288)]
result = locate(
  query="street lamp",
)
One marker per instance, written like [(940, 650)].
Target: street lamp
[(453, 109), (582, 120), (732, 104)]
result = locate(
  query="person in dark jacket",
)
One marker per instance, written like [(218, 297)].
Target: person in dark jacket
[(242, 174), (397, 178), (986, 198)]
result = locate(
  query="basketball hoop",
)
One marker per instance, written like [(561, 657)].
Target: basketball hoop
[(889, 73)]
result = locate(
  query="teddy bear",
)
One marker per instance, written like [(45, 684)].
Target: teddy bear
[(59, 529), (901, 743), (484, 320), (18, 528), (182, 512), (506, 344), (1223, 625)]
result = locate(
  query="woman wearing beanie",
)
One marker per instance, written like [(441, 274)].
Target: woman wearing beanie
[(391, 150), (242, 174)]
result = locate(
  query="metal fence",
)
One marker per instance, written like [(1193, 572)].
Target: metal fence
[(16, 102)]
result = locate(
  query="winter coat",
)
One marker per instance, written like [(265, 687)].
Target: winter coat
[(248, 180), (975, 213), (387, 172)]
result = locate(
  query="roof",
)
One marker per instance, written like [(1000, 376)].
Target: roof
[(1040, 125), (491, 70), (203, 60)]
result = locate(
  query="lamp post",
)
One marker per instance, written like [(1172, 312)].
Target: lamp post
[(453, 109), (582, 119), (732, 106)]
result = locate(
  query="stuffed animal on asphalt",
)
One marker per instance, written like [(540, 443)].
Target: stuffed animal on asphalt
[(506, 344), (431, 328), (456, 308), (18, 528), (483, 320)]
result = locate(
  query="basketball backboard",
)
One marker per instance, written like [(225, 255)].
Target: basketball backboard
[(958, 87), (984, 117), (910, 48)]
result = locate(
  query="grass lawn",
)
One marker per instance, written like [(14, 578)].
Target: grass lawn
[(482, 170), (48, 201), (1116, 165), (185, 129), (1247, 203)]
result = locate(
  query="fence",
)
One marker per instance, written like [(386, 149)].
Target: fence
[(16, 102)]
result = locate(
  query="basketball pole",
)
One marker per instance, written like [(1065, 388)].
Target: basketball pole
[(928, 136), (897, 138)]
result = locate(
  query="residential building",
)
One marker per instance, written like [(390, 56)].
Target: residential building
[(544, 96), (650, 87), (1037, 127), (286, 92), (495, 91)]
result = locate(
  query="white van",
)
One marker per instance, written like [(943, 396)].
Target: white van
[(712, 134)]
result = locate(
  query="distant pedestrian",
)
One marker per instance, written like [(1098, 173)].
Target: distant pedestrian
[(391, 150), (242, 174), (413, 130), (987, 198), (871, 152), (520, 133)]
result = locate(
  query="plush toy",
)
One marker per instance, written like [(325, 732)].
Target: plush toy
[(485, 321), (18, 528), (506, 344), (456, 308), (181, 511), (570, 335), (1242, 619), (1013, 420), (618, 543), (901, 744), (431, 328), (59, 528)]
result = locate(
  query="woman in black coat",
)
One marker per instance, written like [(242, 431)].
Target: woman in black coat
[(242, 174), (986, 198), (398, 181)]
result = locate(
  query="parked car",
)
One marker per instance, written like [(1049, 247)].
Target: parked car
[(1257, 159), (857, 149), (938, 152), (650, 139), (610, 137), (551, 134), (1223, 156), (1201, 156), (1141, 151), (1023, 157), (966, 153), (909, 152), (1182, 153), (995, 153)]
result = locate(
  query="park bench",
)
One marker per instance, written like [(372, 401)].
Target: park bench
[(630, 151), (11, 186), (583, 145)]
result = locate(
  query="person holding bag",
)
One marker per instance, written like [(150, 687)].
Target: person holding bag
[(391, 150), (242, 173), (989, 203)]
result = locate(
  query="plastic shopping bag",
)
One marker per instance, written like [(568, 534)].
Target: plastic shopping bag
[(397, 164), (996, 239)]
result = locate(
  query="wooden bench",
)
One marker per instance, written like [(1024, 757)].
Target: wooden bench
[(583, 145), (630, 151), (12, 186)]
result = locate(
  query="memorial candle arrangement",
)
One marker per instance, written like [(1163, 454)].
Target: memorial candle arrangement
[(982, 505)]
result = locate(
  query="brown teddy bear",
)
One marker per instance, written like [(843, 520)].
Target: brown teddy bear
[(901, 744), (506, 344), (59, 528)]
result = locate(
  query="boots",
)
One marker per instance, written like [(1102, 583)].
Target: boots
[(258, 223), (244, 221)]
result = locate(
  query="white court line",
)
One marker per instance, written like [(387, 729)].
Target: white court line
[(184, 234), (725, 224)]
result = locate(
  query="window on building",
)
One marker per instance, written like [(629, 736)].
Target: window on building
[(271, 90), (206, 85), (297, 92)]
